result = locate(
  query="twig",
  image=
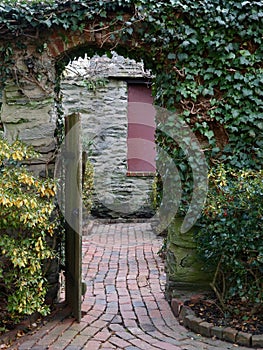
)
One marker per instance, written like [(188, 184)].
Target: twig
[(180, 72), (213, 285), (36, 36)]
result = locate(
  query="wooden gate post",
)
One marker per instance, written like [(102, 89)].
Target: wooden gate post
[(73, 213)]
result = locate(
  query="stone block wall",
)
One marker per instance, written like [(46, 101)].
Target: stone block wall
[(104, 123), (32, 120)]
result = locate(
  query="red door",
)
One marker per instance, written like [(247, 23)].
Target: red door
[(141, 129)]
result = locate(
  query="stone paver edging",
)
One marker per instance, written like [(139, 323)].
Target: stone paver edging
[(187, 317), (125, 306)]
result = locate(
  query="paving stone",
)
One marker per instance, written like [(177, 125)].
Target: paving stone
[(205, 329), (92, 345), (133, 315), (193, 323), (125, 335), (121, 343), (176, 305), (217, 332), (78, 342), (187, 320), (117, 319), (257, 341), (165, 346), (184, 311), (108, 346), (243, 338), (143, 345), (27, 345), (229, 334), (148, 327)]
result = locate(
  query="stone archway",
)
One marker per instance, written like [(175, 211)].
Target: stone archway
[(30, 100), (30, 105)]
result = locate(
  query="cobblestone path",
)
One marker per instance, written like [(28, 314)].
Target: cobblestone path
[(124, 307)]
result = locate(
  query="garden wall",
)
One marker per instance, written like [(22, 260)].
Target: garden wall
[(207, 59)]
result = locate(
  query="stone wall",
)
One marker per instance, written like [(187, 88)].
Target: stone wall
[(104, 122), (31, 119)]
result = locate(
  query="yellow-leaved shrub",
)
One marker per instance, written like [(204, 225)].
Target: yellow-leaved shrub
[(26, 207)]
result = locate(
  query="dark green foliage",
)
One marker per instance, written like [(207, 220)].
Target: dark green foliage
[(207, 59), (230, 236), (216, 55)]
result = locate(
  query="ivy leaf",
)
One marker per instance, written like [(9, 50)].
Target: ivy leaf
[(244, 61), (247, 92), (48, 23), (129, 30), (182, 56), (171, 56)]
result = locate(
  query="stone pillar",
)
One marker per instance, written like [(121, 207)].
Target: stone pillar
[(185, 270)]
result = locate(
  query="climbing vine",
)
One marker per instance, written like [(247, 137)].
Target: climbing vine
[(206, 57)]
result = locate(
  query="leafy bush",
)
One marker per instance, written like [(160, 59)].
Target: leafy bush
[(231, 234), (26, 205)]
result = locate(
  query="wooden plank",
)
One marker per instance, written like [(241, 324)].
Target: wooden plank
[(73, 213)]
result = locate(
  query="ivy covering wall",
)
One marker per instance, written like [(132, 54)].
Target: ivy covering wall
[(207, 57)]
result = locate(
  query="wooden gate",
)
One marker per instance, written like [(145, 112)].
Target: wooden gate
[(73, 213)]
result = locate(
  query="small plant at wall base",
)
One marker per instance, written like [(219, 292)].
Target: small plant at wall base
[(231, 237), (26, 206)]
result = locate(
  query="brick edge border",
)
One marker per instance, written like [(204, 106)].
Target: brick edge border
[(187, 318)]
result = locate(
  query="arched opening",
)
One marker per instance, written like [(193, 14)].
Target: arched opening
[(114, 98), (103, 91)]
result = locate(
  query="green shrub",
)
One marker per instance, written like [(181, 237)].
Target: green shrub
[(231, 234), (26, 205)]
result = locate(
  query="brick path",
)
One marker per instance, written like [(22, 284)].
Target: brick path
[(124, 307)]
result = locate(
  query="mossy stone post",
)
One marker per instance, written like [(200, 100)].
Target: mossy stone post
[(185, 270)]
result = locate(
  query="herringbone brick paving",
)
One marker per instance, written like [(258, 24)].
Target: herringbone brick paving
[(124, 307)]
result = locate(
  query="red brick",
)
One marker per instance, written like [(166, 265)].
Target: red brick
[(102, 335), (130, 315), (121, 343), (92, 345), (141, 344)]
